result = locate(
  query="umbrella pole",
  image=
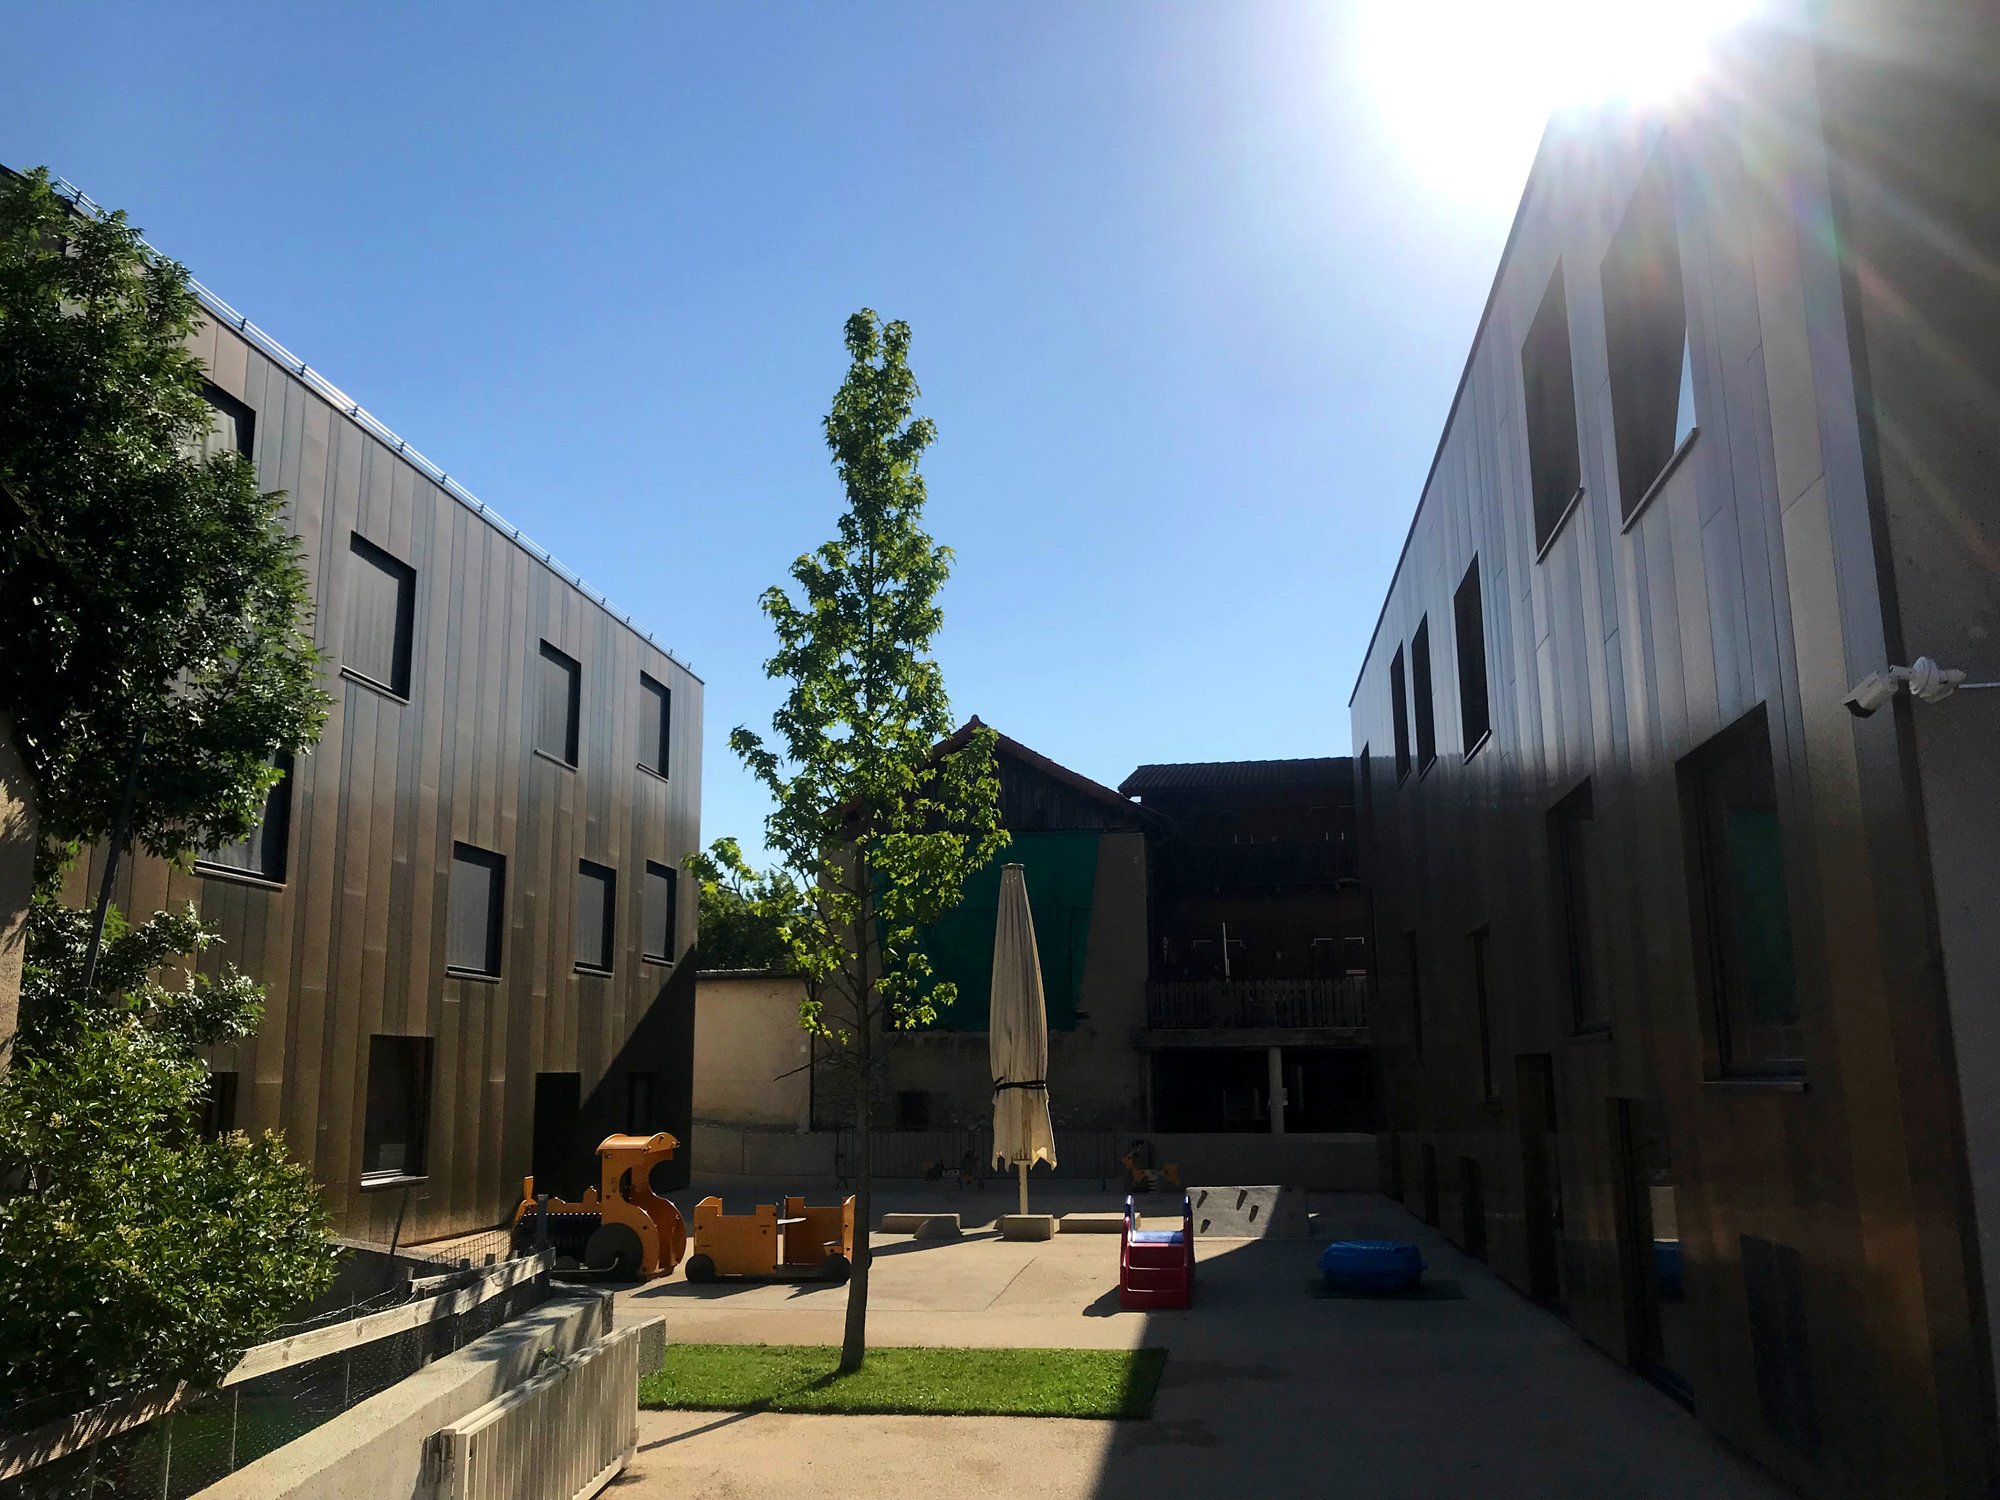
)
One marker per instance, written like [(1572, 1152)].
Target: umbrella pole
[(1023, 1166)]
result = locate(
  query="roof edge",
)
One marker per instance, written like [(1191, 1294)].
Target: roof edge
[(1075, 780), (1535, 172), (240, 324)]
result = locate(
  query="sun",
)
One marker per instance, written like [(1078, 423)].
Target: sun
[(1465, 86)]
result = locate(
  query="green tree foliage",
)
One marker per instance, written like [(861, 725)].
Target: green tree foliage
[(132, 1251), (871, 819), (143, 584), (149, 593), (744, 913)]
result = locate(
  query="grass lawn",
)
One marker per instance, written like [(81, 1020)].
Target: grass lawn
[(1105, 1383)]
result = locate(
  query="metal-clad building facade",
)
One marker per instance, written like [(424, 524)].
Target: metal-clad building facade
[(1673, 989), (437, 1024)]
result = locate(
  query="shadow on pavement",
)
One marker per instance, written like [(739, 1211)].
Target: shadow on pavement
[(1272, 1390)]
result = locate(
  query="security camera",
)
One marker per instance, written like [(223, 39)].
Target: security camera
[(1932, 683), (1929, 683), (1870, 693)]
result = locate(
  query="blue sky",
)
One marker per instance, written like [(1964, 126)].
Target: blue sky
[(1187, 311)]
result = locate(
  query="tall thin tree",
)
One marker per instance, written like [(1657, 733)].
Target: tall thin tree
[(874, 821)]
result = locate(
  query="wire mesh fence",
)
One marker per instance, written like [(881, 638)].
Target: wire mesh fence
[(484, 1247), (211, 1434)]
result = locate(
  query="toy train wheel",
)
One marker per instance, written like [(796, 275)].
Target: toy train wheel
[(835, 1268), (700, 1268), (614, 1249)]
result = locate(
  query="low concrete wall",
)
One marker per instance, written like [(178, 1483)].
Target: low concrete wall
[(719, 1150), (1343, 1163), (376, 1450), (1321, 1162)]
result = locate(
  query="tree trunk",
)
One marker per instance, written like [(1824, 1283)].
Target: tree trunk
[(854, 1341), (18, 841)]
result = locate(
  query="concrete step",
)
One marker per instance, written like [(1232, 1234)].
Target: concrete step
[(1082, 1223), (925, 1226)]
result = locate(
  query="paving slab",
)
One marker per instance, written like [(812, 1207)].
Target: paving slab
[(1268, 1390)]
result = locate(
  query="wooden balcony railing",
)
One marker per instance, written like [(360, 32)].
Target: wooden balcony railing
[(1256, 1004)]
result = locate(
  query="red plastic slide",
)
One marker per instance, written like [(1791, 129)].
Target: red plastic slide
[(1156, 1266)]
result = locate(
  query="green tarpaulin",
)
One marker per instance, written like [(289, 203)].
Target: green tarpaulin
[(1061, 870)]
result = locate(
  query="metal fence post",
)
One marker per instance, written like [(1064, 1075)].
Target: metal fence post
[(541, 1223), (167, 1457)]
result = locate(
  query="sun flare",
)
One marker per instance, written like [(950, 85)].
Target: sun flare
[(1465, 86)]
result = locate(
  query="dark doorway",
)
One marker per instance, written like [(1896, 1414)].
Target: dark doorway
[(640, 1118), (1541, 1176), (1430, 1185), (1210, 1089), (1649, 1244), (559, 1164), (1471, 1208), (1329, 1089)]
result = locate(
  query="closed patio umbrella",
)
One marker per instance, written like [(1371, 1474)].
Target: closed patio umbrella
[(1018, 1030)]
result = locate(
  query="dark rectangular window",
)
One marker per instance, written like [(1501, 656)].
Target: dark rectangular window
[(1469, 621), (381, 616), (1548, 386), (478, 910), (232, 425), (1399, 708), (1570, 825), (913, 1110), (1646, 340), (656, 722), (399, 1108), (596, 909), (1743, 920), (1774, 1287), (558, 705), (263, 853), (1410, 960), (639, 1116), (662, 901), (1483, 1008), (1421, 701), (218, 1106)]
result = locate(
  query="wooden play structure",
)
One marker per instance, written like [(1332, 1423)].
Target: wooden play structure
[(623, 1229), (1156, 1266), (801, 1242)]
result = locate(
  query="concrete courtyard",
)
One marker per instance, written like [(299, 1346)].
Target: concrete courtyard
[(1269, 1390)]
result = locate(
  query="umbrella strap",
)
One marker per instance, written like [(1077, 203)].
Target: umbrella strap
[(1038, 1083)]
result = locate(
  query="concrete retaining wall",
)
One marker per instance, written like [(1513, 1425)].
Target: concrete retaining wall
[(1321, 1162), (376, 1449), (1324, 1163)]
